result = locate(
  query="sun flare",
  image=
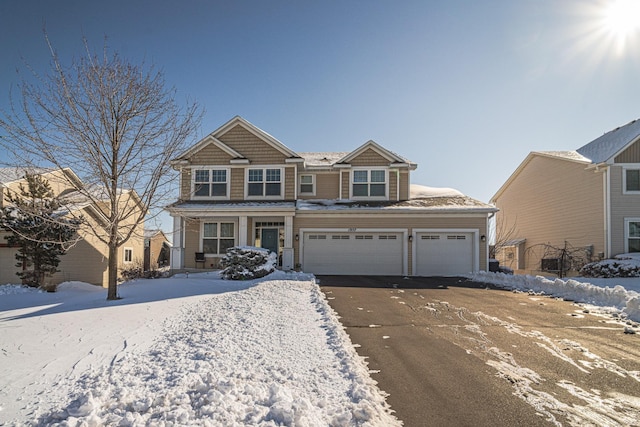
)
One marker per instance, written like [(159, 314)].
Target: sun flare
[(622, 17)]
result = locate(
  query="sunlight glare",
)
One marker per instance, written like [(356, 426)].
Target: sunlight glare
[(622, 18)]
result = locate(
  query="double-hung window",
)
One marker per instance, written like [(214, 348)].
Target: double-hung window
[(211, 183), (631, 179), (306, 184), (128, 255), (264, 182), (217, 237), (369, 183)]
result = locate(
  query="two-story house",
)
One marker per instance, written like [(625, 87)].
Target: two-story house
[(87, 260), (587, 200), (325, 213)]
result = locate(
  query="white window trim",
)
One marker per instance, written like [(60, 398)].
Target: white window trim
[(264, 169), (624, 179), (209, 168), (369, 168), (124, 254), (626, 232), (313, 184), (236, 232)]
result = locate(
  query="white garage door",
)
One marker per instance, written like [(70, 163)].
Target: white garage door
[(353, 253), (444, 254)]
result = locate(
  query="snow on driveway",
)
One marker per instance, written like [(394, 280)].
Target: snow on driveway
[(182, 351)]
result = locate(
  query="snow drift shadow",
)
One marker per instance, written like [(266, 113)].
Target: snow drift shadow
[(74, 296)]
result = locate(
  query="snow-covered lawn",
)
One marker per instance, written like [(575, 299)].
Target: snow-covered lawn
[(191, 350), (199, 350)]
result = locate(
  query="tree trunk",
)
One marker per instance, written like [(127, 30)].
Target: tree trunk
[(112, 291)]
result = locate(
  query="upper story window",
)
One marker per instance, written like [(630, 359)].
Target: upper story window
[(264, 182), (307, 184), (211, 183), (369, 183), (631, 180)]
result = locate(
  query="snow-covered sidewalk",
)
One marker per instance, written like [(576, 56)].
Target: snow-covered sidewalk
[(183, 351)]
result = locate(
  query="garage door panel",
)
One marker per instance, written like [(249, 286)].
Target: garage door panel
[(353, 253), (444, 254)]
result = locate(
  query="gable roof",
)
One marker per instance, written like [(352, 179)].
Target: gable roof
[(571, 156), (212, 138), (389, 155), (609, 145)]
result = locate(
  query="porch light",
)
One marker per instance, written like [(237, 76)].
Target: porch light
[(297, 237), (410, 238), (483, 238)]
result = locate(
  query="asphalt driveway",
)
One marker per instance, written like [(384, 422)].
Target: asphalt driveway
[(451, 352)]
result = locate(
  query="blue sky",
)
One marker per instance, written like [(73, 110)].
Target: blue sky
[(463, 88)]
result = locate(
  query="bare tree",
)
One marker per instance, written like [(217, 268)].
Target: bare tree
[(501, 235), (115, 124)]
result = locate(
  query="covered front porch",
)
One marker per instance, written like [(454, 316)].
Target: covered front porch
[(204, 232)]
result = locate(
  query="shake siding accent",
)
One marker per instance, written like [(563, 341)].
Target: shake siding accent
[(185, 184), (369, 158), (404, 185), (327, 186), (252, 147), (237, 184), (622, 206), (345, 184), (290, 182), (630, 155), (553, 201), (210, 155), (393, 184)]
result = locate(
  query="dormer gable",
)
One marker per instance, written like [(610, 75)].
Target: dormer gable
[(243, 142), (372, 154)]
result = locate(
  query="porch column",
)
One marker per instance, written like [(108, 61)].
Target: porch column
[(177, 250), (287, 251), (242, 231)]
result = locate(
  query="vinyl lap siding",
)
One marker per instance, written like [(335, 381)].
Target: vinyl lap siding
[(553, 201), (630, 155), (622, 206), (327, 186)]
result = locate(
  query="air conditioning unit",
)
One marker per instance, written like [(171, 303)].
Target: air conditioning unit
[(550, 264)]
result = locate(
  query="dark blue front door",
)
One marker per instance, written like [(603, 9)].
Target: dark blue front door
[(269, 239)]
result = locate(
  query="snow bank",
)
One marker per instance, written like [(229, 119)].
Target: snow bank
[(271, 352), (618, 297)]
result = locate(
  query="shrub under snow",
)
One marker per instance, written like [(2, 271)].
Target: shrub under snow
[(624, 265), (247, 262)]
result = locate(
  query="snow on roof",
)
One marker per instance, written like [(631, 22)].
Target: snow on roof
[(8, 174), (322, 158), (422, 191), (603, 148), (568, 155), (457, 203)]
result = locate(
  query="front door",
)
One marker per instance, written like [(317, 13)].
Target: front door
[(269, 239)]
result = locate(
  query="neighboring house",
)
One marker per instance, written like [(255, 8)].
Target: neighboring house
[(87, 260), (324, 213), (156, 249), (586, 200)]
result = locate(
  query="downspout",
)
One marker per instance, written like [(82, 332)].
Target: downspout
[(607, 211)]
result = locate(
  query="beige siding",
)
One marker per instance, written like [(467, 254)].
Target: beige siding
[(552, 201), (345, 184), (327, 185), (192, 242), (210, 156), (404, 185), (622, 206), (290, 180), (408, 222), (237, 184), (630, 155), (369, 157), (252, 147)]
